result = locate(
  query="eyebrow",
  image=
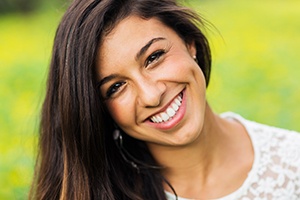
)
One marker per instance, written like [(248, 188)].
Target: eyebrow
[(106, 79), (147, 46), (141, 52)]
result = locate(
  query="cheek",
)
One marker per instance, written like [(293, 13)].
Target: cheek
[(185, 70), (199, 76), (191, 71), (119, 110), (170, 68)]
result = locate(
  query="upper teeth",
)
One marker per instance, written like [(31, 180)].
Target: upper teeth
[(169, 112)]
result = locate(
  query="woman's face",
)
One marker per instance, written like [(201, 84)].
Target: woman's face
[(153, 88)]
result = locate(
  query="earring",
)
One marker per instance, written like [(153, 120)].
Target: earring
[(118, 138), (195, 58), (119, 142), (117, 135)]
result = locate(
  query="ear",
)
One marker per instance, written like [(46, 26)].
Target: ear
[(192, 48)]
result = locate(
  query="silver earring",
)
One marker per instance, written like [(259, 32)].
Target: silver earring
[(128, 158), (117, 135), (195, 58), (119, 142)]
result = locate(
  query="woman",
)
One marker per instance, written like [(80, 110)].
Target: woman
[(125, 114)]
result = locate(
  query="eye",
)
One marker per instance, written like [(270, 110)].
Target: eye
[(114, 88), (154, 57)]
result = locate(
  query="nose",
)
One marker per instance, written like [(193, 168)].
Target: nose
[(150, 92)]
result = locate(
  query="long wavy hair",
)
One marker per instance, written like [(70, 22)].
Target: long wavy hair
[(77, 157)]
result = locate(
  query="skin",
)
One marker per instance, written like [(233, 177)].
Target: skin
[(145, 65)]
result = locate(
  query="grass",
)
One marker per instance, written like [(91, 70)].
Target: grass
[(255, 73), (255, 59), (25, 48)]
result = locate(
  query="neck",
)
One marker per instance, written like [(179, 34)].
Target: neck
[(198, 163), (198, 154)]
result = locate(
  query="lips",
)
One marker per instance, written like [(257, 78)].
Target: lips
[(169, 112)]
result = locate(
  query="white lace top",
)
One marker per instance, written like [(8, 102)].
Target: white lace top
[(275, 174)]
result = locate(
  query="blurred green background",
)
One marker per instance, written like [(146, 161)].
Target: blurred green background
[(256, 71)]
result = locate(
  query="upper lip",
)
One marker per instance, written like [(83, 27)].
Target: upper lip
[(164, 107)]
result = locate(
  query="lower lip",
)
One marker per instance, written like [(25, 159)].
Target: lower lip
[(171, 123)]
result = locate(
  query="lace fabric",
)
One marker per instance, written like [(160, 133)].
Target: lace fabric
[(275, 173)]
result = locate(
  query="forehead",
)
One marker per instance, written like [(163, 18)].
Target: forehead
[(130, 35), (134, 29)]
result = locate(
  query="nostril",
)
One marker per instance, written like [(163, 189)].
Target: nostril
[(150, 91), (150, 97)]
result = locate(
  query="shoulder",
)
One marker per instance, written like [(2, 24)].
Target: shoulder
[(267, 134), (269, 139), (276, 168), (282, 146), (278, 147)]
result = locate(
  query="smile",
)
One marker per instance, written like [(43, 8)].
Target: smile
[(170, 112)]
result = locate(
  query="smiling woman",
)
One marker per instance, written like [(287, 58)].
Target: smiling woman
[(126, 115), (152, 74)]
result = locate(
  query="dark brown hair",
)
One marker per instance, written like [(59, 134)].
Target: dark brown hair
[(78, 158)]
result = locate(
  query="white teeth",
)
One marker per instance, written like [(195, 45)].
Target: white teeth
[(159, 119), (154, 119), (169, 112), (179, 98), (175, 106), (165, 117), (177, 102)]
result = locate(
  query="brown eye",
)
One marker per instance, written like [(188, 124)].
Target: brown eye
[(114, 88), (154, 57)]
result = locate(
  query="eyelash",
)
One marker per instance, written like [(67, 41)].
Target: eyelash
[(154, 57), (114, 88)]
